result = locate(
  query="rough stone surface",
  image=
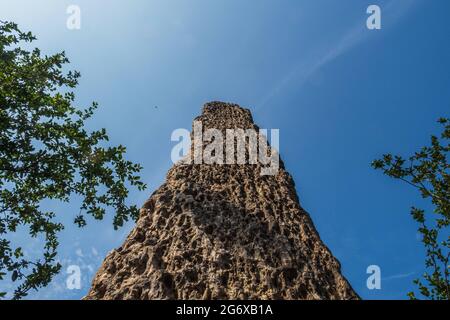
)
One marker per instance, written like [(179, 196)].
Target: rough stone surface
[(222, 232)]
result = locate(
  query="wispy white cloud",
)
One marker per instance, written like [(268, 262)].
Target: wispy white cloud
[(79, 252), (87, 261), (303, 70), (399, 276)]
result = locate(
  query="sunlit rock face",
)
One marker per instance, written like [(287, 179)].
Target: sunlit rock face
[(222, 231)]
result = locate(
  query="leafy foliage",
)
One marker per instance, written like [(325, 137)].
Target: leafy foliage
[(46, 153), (429, 171)]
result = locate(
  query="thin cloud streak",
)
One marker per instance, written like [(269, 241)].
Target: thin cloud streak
[(399, 276), (303, 70)]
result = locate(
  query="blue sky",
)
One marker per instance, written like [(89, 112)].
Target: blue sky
[(340, 94)]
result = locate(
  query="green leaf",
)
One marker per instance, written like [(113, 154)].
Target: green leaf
[(48, 154)]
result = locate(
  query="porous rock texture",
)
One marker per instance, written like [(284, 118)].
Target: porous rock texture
[(216, 231)]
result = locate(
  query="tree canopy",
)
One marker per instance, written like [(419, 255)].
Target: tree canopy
[(428, 170), (46, 153)]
